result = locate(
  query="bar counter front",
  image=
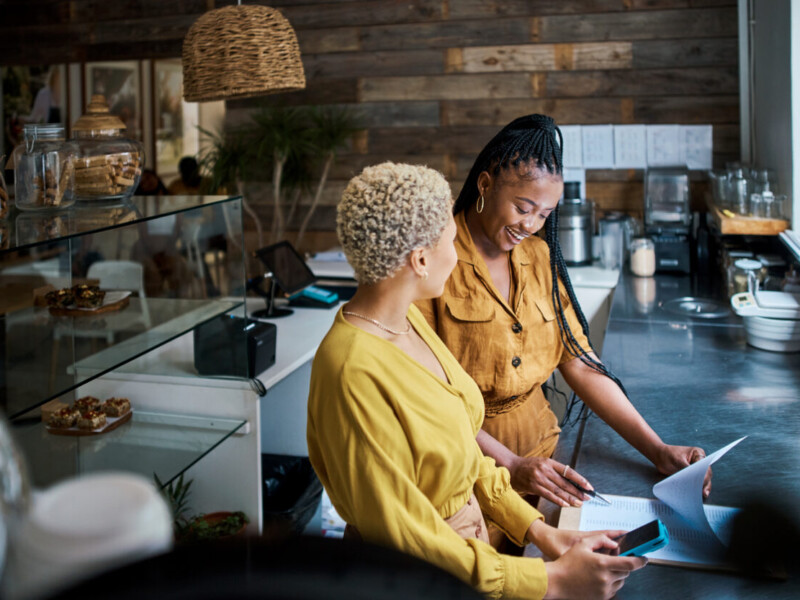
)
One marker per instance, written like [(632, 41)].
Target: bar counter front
[(696, 382)]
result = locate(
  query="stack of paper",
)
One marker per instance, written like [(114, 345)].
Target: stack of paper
[(698, 533)]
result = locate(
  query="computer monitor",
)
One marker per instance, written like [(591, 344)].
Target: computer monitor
[(289, 272)]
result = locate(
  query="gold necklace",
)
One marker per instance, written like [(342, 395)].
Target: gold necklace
[(378, 323)]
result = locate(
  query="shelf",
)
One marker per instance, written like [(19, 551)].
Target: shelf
[(48, 356), (34, 229), (149, 443), (731, 224)]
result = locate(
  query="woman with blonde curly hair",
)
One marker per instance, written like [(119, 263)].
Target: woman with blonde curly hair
[(393, 418)]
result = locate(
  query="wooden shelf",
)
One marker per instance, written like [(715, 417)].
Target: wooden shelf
[(740, 225)]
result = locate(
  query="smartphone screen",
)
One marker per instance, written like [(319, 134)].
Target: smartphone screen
[(638, 537)]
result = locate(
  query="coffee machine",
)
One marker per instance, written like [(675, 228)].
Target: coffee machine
[(575, 226), (667, 218)]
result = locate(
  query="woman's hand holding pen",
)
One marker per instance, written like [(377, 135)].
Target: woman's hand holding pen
[(671, 459), (545, 477)]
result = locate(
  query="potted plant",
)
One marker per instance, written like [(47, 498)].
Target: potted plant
[(202, 527), (215, 526), (286, 145)]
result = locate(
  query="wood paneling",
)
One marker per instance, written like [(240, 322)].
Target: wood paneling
[(689, 82), (544, 57), (715, 52), (640, 25), (376, 12), (687, 109), (446, 87), (446, 34), (434, 80), (376, 64), (500, 112)]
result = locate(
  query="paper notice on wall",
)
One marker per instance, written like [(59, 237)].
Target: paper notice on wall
[(572, 152), (697, 145), (630, 146), (576, 175), (663, 146), (598, 146)]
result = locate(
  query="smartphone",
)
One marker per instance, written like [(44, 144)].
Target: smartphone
[(644, 539)]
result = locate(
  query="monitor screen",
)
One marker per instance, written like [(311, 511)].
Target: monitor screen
[(288, 268)]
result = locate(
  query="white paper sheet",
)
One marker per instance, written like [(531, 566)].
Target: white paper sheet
[(698, 532), (630, 146), (598, 146), (572, 152), (686, 544), (697, 145), (683, 491), (663, 146)]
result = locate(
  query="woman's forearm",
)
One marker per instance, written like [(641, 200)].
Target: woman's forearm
[(607, 401), (491, 447)]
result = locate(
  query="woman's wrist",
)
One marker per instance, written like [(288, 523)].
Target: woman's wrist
[(554, 574), (537, 531), (656, 452)]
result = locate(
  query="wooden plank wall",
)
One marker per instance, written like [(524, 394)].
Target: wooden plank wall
[(435, 79)]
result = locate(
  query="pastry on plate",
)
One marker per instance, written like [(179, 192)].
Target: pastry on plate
[(88, 296), (60, 298), (116, 407), (64, 418), (92, 419), (86, 403)]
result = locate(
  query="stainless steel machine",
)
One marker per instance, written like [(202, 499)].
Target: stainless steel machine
[(575, 226)]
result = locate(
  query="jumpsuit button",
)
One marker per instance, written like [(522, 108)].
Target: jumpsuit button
[(516, 327), (516, 361)]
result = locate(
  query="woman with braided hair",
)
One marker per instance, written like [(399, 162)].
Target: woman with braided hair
[(510, 327)]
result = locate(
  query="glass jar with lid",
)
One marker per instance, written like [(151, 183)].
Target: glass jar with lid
[(43, 168), (108, 165), (643, 257), (745, 275)]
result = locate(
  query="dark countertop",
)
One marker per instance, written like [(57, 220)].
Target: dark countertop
[(697, 383)]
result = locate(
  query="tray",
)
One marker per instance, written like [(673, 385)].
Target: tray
[(740, 225), (111, 424), (112, 301)]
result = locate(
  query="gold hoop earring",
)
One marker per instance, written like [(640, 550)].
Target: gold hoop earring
[(481, 203)]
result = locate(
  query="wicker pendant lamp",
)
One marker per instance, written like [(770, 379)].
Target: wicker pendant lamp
[(238, 52)]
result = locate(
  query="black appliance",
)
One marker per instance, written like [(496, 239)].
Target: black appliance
[(229, 345), (667, 218)]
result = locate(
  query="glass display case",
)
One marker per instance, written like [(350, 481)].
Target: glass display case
[(160, 266)]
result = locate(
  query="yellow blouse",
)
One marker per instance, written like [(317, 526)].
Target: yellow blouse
[(509, 349), (394, 446)]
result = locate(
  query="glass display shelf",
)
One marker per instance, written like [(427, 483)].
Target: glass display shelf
[(49, 356), (27, 230), (150, 443), (180, 259)]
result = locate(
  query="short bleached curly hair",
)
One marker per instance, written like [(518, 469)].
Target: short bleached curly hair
[(387, 211)]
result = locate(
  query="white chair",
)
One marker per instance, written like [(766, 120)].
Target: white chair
[(121, 275)]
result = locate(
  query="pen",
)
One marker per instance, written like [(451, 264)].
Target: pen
[(591, 493)]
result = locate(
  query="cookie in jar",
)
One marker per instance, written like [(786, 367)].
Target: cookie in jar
[(108, 166), (44, 168)]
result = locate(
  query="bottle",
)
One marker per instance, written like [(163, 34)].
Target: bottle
[(643, 257), (738, 192), (44, 168)]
